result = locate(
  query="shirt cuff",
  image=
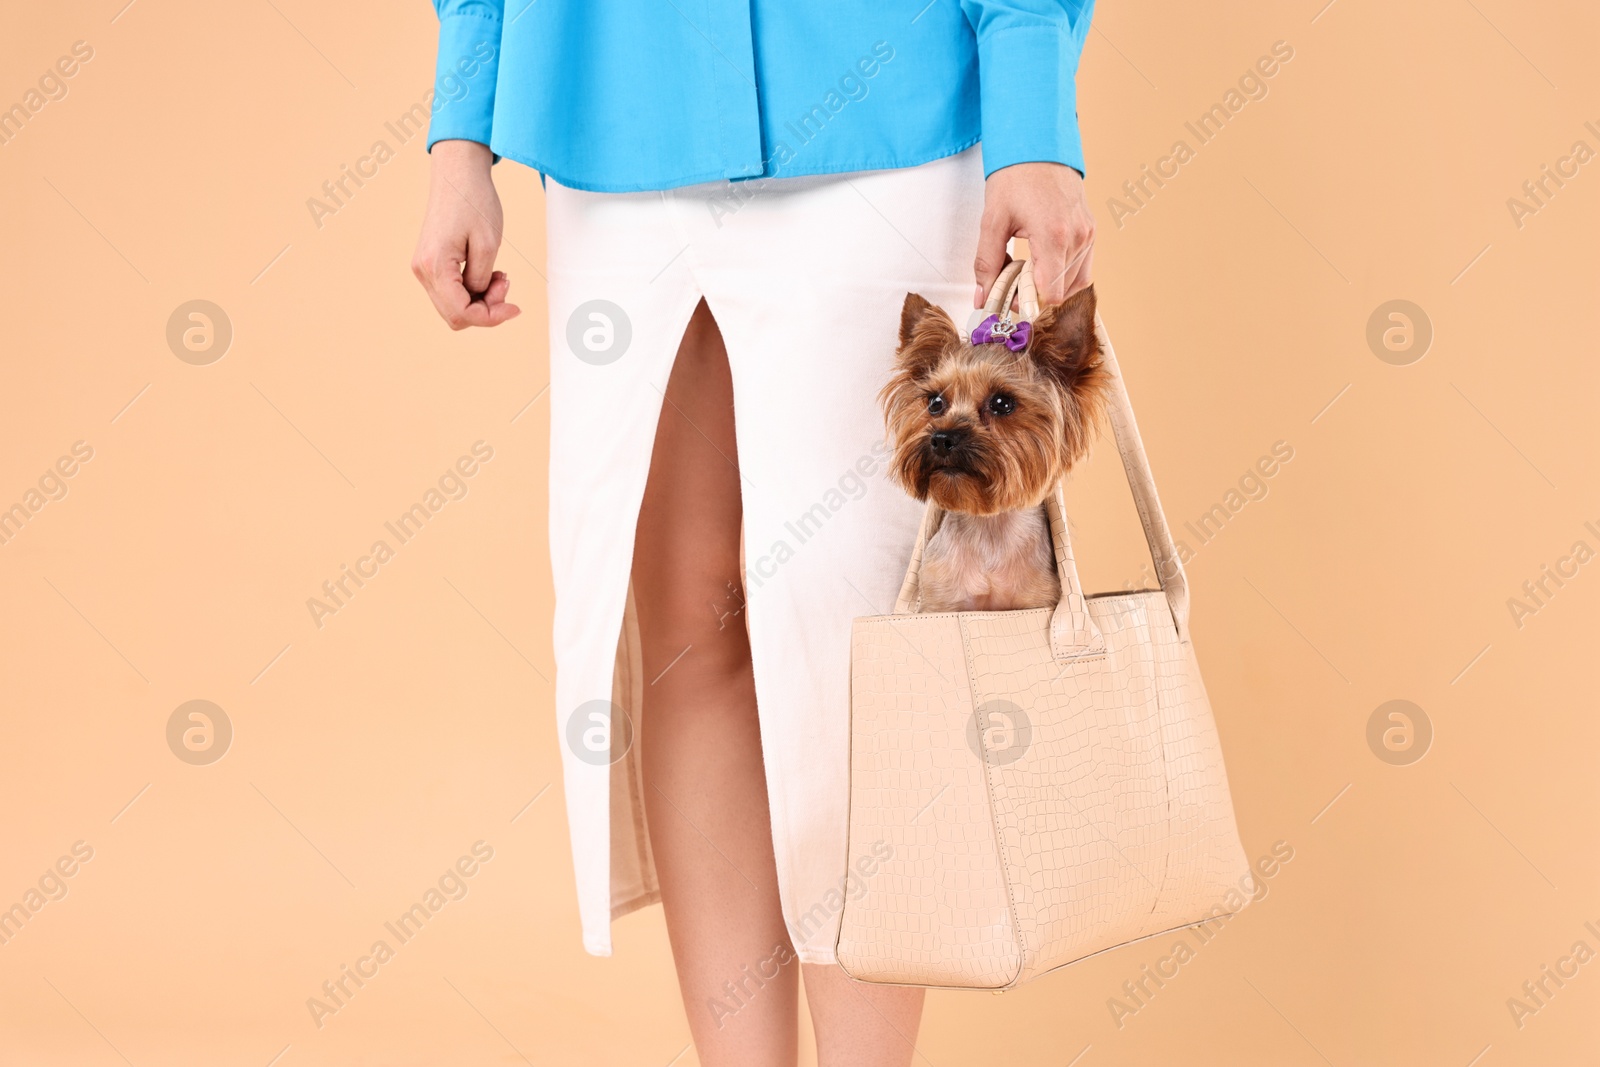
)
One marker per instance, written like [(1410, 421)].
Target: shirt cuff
[(1029, 97), (464, 80)]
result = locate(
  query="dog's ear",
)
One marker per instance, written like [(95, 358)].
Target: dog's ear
[(1064, 344), (924, 326)]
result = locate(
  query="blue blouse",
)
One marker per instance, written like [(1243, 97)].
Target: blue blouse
[(616, 96)]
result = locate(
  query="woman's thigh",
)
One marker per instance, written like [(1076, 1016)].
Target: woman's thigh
[(686, 579)]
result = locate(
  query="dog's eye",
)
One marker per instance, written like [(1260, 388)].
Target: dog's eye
[(1000, 404), (936, 405)]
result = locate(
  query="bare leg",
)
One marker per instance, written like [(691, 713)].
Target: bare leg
[(858, 1024), (705, 793), (705, 789)]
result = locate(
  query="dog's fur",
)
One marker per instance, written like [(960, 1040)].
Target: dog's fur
[(1012, 424)]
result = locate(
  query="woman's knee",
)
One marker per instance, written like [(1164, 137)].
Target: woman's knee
[(696, 631)]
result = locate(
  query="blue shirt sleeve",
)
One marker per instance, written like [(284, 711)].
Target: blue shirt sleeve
[(1027, 68), (469, 63)]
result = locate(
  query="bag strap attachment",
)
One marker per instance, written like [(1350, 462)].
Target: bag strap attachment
[(1073, 634)]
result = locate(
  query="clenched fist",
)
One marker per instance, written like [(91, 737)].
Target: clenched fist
[(454, 259)]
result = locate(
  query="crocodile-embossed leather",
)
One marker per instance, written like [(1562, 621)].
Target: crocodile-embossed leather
[(1032, 787)]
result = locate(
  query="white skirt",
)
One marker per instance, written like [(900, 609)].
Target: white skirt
[(806, 277)]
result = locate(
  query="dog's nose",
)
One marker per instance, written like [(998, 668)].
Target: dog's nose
[(945, 441)]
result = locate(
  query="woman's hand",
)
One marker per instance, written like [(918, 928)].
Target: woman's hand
[(462, 227), (1044, 203)]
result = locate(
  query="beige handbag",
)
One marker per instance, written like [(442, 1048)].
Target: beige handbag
[(1028, 788)]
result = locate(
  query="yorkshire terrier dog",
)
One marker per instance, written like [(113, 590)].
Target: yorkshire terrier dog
[(985, 426)]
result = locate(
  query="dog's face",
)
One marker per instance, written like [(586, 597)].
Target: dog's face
[(980, 429)]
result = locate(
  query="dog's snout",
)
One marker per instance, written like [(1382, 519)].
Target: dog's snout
[(945, 442)]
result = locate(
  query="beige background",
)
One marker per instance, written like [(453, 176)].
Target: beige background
[(373, 752)]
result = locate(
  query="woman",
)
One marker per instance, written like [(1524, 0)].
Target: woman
[(740, 193)]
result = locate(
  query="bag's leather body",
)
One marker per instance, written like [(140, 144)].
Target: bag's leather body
[(1032, 787)]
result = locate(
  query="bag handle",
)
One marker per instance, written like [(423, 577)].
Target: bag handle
[(1015, 282), (1073, 634)]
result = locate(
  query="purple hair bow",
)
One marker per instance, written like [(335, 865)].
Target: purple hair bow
[(1013, 335)]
